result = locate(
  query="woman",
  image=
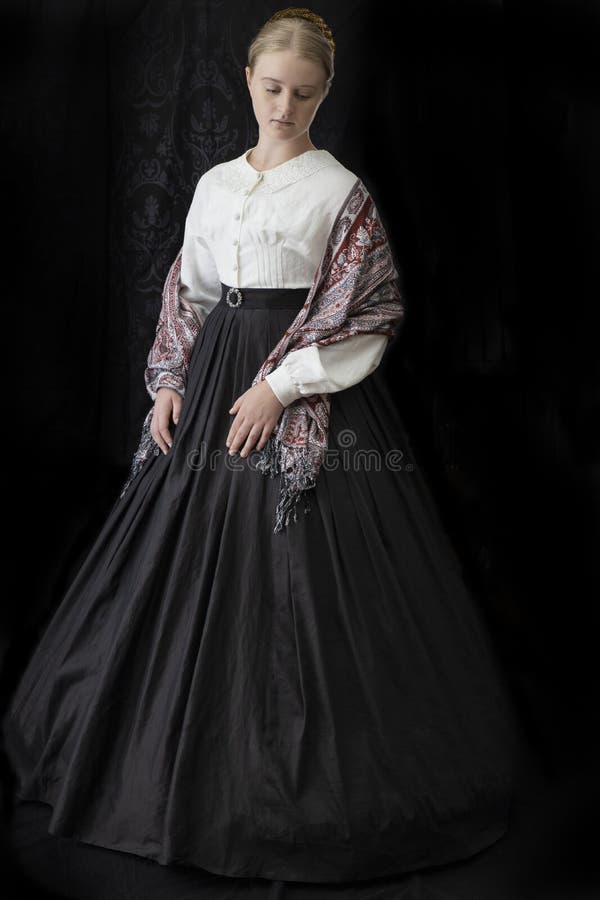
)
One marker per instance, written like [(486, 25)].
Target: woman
[(314, 701)]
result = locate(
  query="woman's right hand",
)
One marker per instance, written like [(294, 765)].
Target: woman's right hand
[(168, 403)]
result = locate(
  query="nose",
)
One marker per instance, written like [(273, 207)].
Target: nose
[(286, 108)]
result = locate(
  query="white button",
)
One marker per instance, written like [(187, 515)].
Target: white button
[(235, 241), (235, 267), (237, 215)]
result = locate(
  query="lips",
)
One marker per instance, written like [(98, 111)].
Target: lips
[(279, 122)]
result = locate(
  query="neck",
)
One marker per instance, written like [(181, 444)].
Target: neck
[(267, 155)]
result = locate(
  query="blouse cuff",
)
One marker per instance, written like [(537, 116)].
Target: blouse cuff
[(282, 385)]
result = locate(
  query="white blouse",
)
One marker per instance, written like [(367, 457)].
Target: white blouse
[(269, 229)]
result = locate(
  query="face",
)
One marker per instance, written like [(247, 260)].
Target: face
[(285, 88)]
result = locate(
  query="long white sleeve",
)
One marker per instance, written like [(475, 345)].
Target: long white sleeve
[(326, 369), (200, 282)]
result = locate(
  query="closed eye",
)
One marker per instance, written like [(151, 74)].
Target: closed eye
[(272, 91)]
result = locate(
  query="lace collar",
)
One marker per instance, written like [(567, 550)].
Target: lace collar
[(238, 175)]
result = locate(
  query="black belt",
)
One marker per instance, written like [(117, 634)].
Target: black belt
[(263, 298)]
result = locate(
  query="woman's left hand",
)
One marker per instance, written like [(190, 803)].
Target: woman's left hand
[(257, 412)]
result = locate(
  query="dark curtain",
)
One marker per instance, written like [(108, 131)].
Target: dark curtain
[(475, 124)]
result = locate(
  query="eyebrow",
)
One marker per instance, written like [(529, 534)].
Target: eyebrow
[(268, 78)]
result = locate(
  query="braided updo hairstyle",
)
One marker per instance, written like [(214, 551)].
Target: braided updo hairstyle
[(303, 32)]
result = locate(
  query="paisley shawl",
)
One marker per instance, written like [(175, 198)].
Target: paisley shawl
[(354, 291)]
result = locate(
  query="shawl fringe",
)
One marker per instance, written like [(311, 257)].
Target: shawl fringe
[(147, 447), (297, 477)]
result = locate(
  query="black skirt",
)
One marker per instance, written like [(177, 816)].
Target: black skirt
[(318, 704)]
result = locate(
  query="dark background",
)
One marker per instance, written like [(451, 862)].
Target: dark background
[(476, 127)]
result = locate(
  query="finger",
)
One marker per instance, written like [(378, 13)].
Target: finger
[(158, 439), (162, 426), (162, 444), (239, 438), (166, 436), (264, 437), (177, 404), (250, 440), (232, 433), (155, 431), (164, 417)]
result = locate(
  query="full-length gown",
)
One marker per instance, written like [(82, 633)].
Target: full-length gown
[(318, 704)]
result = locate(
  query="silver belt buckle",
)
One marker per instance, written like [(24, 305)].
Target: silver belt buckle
[(237, 291)]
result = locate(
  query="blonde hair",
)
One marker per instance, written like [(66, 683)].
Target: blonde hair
[(299, 35)]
